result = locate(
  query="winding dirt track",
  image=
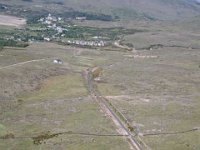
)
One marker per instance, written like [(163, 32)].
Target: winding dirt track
[(21, 63), (121, 127)]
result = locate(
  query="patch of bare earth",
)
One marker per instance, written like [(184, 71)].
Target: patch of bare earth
[(12, 21)]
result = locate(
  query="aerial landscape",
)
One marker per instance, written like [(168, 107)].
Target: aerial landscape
[(99, 75)]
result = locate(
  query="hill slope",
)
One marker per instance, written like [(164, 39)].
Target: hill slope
[(159, 9), (128, 9)]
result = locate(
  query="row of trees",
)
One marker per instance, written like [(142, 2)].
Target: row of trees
[(34, 16), (12, 43)]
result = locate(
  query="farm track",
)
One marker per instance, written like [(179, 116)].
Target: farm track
[(104, 105), (117, 44), (21, 63)]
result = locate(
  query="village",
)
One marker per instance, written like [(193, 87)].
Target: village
[(57, 29), (52, 24)]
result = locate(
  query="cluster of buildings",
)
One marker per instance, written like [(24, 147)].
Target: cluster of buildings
[(51, 22), (50, 19), (141, 56), (87, 43)]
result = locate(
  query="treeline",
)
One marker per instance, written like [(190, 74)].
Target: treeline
[(89, 16), (34, 16), (12, 43)]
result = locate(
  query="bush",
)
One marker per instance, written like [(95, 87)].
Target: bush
[(12, 43)]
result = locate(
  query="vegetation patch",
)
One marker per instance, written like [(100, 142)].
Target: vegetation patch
[(108, 89), (70, 85), (45, 136), (12, 43), (3, 130), (8, 136)]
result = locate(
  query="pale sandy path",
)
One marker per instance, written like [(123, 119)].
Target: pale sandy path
[(21, 63)]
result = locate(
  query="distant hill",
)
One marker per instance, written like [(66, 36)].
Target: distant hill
[(191, 24), (157, 9), (126, 9)]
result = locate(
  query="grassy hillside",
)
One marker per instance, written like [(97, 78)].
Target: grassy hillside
[(160, 9), (142, 9)]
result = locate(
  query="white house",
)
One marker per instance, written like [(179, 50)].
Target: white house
[(57, 61), (81, 18), (47, 39)]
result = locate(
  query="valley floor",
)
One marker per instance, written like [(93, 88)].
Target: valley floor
[(154, 93)]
